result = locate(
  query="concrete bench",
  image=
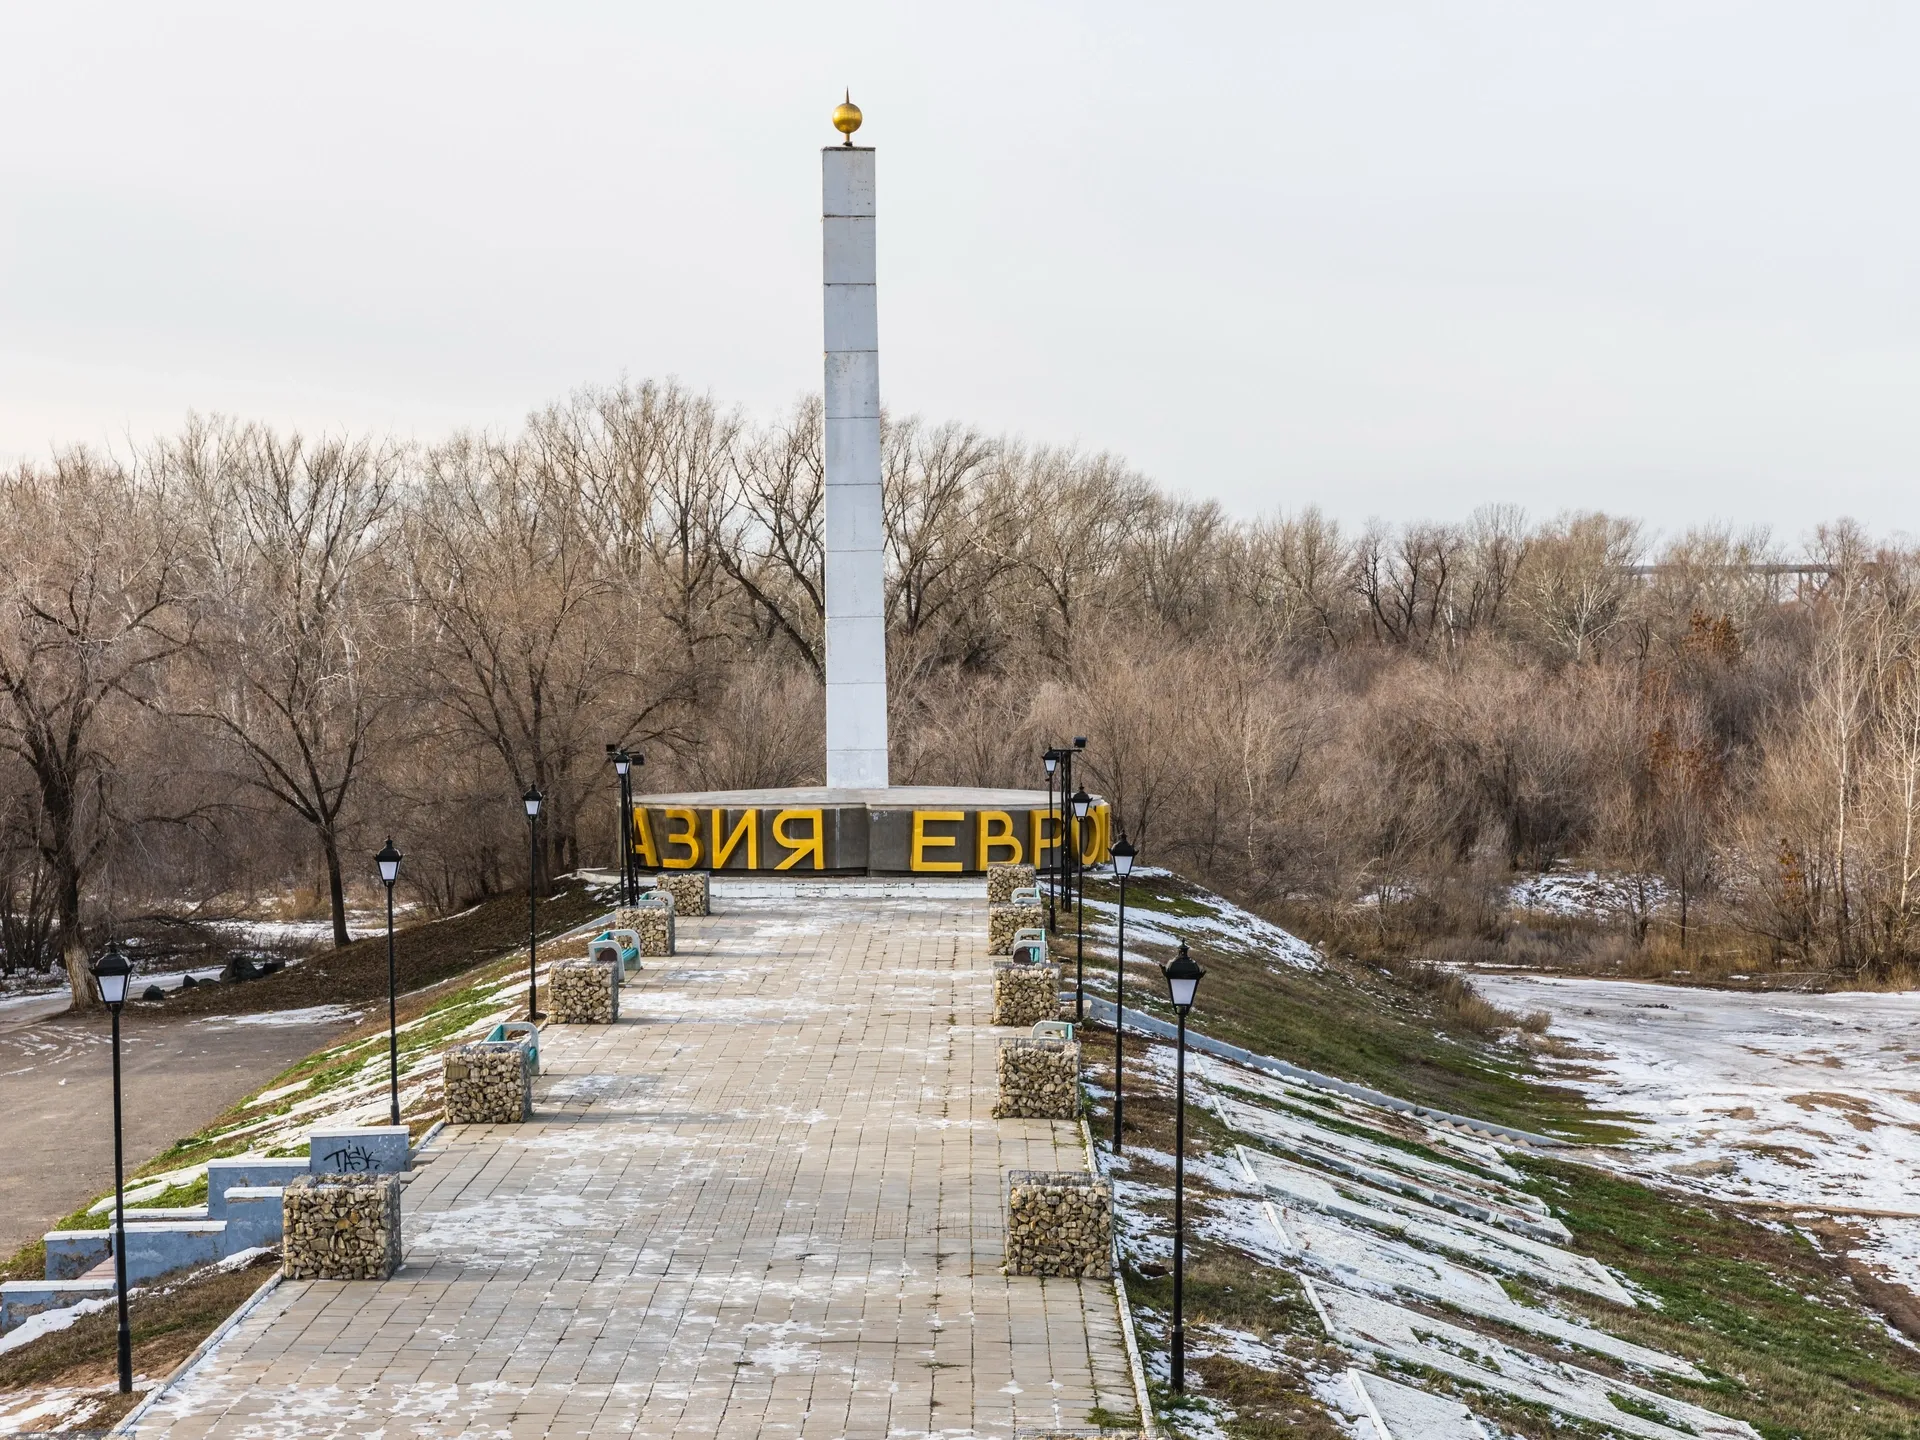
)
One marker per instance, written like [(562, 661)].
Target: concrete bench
[(523, 1031), (616, 947)]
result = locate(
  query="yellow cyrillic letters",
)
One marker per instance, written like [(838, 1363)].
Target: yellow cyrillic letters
[(643, 839), (996, 833), (747, 827), (815, 844), (923, 842), (689, 837)]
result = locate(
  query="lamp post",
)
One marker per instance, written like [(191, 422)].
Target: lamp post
[(1082, 802), (1123, 854), (623, 767), (1050, 757), (1183, 978), (113, 974), (1066, 785), (389, 862), (532, 800)]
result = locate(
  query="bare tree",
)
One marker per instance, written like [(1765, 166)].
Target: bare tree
[(89, 614), (290, 541)]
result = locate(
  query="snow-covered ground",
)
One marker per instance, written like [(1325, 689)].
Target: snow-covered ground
[(1800, 1099), (1224, 926), (1588, 893)]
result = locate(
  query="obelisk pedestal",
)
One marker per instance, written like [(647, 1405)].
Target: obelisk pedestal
[(855, 554)]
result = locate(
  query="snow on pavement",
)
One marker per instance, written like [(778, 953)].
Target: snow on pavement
[(1795, 1099)]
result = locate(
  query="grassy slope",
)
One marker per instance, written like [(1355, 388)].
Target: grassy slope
[(1794, 1337), (1356, 1023), (460, 965), (423, 955)]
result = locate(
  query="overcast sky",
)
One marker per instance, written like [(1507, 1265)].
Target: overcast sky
[(1394, 260)]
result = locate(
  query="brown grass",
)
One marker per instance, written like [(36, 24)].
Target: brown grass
[(168, 1322)]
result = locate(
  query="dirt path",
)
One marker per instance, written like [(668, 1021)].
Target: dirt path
[(56, 1094)]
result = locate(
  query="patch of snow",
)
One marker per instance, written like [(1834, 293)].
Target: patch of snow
[(308, 1015), (49, 1321), (1589, 894), (1415, 1339), (1436, 1229), (1805, 1100)]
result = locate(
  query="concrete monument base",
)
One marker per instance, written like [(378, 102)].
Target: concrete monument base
[(894, 830)]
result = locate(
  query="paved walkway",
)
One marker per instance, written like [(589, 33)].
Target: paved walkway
[(767, 1203)]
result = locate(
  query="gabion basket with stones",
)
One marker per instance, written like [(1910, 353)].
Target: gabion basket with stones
[(340, 1227), (488, 1083), (1059, 1222), (584, 992), (1003, 880), (692, 891), (1003, 920), (652, 921), (1039, 1080), (1025, 994)]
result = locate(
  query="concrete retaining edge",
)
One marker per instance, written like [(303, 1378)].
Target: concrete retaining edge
[(1098, 1009), (1143, 1398), (130, 1422)]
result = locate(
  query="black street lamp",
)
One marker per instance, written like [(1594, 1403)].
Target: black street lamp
[(113, 975), (1082, 802), (1050, 757), (1123, 854), (623, 764), (389, 862), (1183, 978), (532, 800)]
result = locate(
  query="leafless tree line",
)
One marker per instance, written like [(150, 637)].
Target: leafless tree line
[(231, 664)]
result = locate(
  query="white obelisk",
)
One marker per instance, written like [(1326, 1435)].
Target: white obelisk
[(855, 558)]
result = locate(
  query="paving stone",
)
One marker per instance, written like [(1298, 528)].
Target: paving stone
[(792, 1163)]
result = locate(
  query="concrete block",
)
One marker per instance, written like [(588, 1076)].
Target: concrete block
[(253, 1216), (1059, 1222), (71, 1253), (341, 1227), (359, 1150), (21, 1300), (247, 1170), (852, 385), (160, 1247)]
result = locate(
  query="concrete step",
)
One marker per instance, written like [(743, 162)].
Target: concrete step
[(20, 1300)]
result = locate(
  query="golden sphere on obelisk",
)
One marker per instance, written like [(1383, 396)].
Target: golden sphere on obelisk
[(846, 117)]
